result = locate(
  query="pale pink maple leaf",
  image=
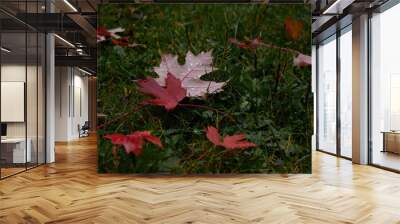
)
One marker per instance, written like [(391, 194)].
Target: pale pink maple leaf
[(302, 60), (189, 73)]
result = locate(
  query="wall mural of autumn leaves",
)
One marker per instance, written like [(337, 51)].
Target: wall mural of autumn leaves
[(204, 88)]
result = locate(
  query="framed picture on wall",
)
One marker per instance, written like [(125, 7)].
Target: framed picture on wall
[(204, 88)]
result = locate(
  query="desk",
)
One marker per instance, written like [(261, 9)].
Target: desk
[(16, 147), (391, 141)]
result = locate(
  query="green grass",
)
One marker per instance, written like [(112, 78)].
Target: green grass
[(268, 97)]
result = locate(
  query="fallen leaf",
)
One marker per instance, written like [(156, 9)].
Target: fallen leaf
[(293, 28), (168, 96), (104, 33), (229, 142), (248, 44), (190, 73), (237, 142), (302, 60), (213, 135), (133, 142)]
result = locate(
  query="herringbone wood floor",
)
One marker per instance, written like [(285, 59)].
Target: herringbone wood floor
[(70, 191)]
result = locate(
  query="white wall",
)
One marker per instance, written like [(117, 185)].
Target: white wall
[(62, 82), (10, 73), (16, 73), (80, 104), (71, 102)]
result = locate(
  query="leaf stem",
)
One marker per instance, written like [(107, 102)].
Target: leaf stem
[(255, 61), (119, 117)]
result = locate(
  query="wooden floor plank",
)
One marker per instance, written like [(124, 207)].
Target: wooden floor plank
[(71, 191)]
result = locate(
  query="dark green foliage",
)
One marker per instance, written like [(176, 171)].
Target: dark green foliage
[(268, 98)]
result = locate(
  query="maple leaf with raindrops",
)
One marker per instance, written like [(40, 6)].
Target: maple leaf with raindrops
[(190, 73), (168, 96)]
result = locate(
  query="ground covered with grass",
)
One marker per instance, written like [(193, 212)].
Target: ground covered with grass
[(266, 96)]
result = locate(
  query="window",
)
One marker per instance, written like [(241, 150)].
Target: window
[(346, 93), (385, 89), (327, 95), (334, 106)]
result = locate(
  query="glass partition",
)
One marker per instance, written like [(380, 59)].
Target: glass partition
[(32, 97), (22, 88), (14, 153), (327, 96), (41, 91)]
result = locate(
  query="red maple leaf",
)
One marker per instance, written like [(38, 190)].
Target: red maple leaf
[(293, 27), (168, 96), (133, 142), (229, 142), (123, 42), (104, 33)]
